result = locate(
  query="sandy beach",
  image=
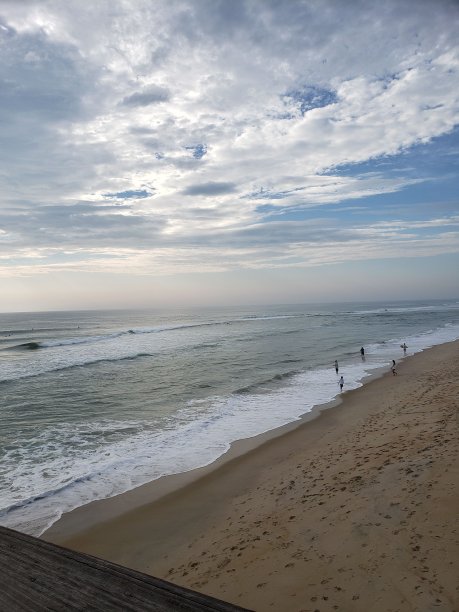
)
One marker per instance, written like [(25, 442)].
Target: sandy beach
[(355, 510)]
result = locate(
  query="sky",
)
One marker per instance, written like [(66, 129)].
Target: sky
[(158, 153)]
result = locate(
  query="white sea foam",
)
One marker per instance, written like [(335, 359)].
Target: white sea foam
[(84, 462)]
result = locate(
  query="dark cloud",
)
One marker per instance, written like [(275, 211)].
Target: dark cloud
[(45, 86), (317, 231), (210, 189), (151, 143), (142, 130), (223, 17), (152, 95), (41, 79), (82, 225)]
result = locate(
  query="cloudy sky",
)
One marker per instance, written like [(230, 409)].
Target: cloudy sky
[(189, 152)]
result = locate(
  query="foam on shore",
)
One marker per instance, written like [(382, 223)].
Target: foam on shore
[(362, 500)]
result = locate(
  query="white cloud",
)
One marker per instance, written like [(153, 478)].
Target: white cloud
[(205, 104)]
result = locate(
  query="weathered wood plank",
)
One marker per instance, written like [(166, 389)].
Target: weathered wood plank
[(36, 575)]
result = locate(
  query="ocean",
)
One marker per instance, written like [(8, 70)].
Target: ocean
[(95, 403)]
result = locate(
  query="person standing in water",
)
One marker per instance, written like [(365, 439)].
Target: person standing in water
[(341, 383), (362, 352), (404, 347), (336, 366)]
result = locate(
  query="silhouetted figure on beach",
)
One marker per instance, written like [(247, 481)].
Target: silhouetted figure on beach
[(393, 368), (341, 383), (336, 366)]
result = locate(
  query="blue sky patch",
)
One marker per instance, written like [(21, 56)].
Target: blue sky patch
[(310, 97), (129, 194), (198, 150), (439, 157)]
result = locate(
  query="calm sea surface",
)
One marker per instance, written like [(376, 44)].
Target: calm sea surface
[(96, 403)]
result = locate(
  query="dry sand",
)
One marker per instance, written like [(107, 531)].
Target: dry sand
[(356, 510)]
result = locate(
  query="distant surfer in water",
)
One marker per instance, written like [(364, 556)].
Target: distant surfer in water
[(404, 347), (341, 383), (362, 353), (336, 366)]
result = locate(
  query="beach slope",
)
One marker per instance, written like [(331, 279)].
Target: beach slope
[(355, 510)]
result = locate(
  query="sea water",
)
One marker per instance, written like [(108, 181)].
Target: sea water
[(93, 404)]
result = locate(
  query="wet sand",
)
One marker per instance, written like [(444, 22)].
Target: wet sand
[(355, 510)]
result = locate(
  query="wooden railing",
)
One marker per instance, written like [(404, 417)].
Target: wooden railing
[(37, 576)]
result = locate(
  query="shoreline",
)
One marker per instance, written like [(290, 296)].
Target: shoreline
[(355, 509), (97, 512)]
